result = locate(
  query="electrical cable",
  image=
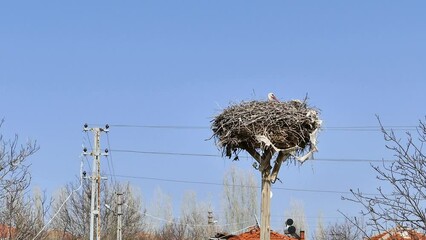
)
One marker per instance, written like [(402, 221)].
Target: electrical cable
[(238, 185), (158, 126), (332, 128), (217, 225), (372, 128), (109, 158), (88, 140), (109, 169), (90, 144), (88, 163), (174, 220), (66, 200), (218, 156)]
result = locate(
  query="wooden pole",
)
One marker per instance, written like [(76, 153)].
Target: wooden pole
[(269, 175), (265, 205), (265, 220)]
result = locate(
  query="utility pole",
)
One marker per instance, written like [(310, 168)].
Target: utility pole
[(210, 218), (265, 209), (119, 214), (95, 203), (211, 223)]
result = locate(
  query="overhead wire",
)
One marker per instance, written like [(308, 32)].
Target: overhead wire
[(371, 128), (174, 220), (112, 171), (114, 175), (219, 156), (235, 185), (90, 144), (219, 225), (158, 126), (109, 159), (332, 128), (88, 139)]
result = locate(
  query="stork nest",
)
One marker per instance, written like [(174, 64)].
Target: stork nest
[(286, 125)]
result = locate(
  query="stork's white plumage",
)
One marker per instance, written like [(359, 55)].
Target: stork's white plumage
[(272, 97)]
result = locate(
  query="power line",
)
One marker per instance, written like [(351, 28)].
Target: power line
[(165, 153), (332, 128), (109, 157), (90, 144), (88, 139), (235, 185), (219, 156), (371, 128), (158, 126), (174, 220)]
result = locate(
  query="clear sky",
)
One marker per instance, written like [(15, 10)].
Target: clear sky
[(179, 63)]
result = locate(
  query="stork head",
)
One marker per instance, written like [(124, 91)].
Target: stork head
[(272, 97)]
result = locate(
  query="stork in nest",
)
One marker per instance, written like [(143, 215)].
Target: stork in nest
[(272, 98)]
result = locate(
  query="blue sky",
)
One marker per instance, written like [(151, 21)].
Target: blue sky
[(179, 63)]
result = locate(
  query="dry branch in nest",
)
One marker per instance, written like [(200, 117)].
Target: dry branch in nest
[(290, 127)]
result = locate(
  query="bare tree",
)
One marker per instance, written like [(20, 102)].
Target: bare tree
[(73, 219), (14, 168), (192, 224), (194, 214), (174, 230), (160, 210), (404, 205), (24, 214), (17, 207), (320, 231), (240, 199), (345, 231)]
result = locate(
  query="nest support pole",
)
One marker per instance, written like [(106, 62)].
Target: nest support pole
[(269, 175), (265, 211), (265, 205)]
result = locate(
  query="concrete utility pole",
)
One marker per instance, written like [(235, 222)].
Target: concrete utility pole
[(211, 223), (210, 218), (119, 214), (95, 204)]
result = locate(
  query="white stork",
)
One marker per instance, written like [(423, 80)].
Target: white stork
[(272, 98)]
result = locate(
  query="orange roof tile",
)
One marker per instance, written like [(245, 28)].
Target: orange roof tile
[(254, 234), (399, 233)]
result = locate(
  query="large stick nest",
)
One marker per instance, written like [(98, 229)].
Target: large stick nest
[(286, 125)]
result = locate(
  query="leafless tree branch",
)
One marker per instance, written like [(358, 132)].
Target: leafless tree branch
[(404, 205)]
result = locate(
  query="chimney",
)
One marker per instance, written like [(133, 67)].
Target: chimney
[(302, 235)]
